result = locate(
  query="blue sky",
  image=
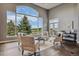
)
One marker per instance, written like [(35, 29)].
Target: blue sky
[(27, 10), (34, 21)]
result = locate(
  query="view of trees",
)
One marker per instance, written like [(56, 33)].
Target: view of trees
[(10, 28), (25, 21), (24, 26)]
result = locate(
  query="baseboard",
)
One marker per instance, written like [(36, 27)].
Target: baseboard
[(7, 41)]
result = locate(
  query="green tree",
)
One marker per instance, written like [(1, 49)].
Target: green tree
[(24, 26), (10, 28)]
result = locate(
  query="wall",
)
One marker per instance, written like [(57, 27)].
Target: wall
[(78, 21), (12, 7), (66, 14)]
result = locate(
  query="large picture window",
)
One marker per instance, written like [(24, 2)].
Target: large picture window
[(25, 20), (33, 23)]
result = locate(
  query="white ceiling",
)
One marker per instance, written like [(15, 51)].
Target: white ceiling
[(47, 5)]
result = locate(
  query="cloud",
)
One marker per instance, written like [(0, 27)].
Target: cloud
[(27, 10)]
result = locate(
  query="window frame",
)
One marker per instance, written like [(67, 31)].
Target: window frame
[(14, 20), (31, 15), (53, 22)]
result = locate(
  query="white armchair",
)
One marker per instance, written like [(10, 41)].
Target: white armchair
[(45, 35)]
